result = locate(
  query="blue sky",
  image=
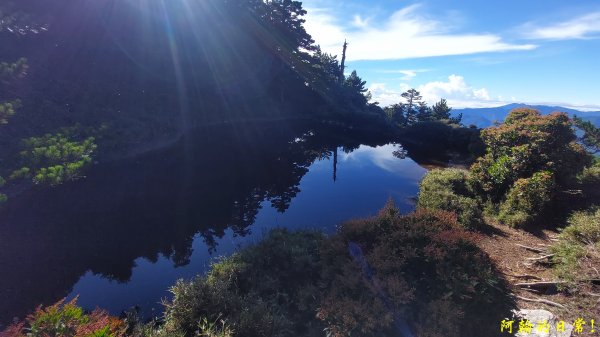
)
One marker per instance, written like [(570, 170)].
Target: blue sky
[(473, 53)]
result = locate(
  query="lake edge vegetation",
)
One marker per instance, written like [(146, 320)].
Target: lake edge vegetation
[(362, 280), (373, 274), (306, 284)]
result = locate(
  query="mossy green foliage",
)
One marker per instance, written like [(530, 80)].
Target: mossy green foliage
[(66, 320), (528, 158), (576, 252), (527, 200), (449, 190), (55, 158), (302, 283)]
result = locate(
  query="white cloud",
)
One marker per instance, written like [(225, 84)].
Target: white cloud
[(385, 96), (575, 106), (585, 26), (359, 22), (458, 93), (408, 74), (404, 34)]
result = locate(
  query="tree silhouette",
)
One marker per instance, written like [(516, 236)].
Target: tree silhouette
[(424, 112), (395, 113), (413, 98), (343, 64), (355, 90), (441, 110)]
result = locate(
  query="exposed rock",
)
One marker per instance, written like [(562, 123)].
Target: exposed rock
[(536, 317)]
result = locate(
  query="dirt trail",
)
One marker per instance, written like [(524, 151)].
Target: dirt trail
[(506, 247)]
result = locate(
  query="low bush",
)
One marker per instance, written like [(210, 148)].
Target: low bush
[(528, 142), (66, 320), (269, 289), (589, 181), (576, 252), (449, 190), (422, 270), (590, 175), (527, 200)]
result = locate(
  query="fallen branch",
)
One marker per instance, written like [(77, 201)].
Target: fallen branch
[(572, 192), (540, 258), (531, 290), (540, 300), (533, 249), (525, 276), (542, 284)]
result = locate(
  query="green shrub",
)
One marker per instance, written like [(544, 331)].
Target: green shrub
[(449, 190), (527, 200), (590, 175), (269, 289), (578, 245), (525, 143), (214, 329), (66, 320)]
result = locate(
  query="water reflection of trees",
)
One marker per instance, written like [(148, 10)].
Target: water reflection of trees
[(152, 206)]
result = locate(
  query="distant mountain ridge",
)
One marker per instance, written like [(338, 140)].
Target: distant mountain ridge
[(484, 117)]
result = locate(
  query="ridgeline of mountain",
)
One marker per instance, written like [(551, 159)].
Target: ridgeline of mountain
[(484, 117)]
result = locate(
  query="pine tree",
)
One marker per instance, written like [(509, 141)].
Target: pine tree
[(424, 112), (413, 98), (441, 110), (355, 91), (395, 113)]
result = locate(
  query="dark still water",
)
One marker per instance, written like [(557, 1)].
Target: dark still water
[(122, 236)]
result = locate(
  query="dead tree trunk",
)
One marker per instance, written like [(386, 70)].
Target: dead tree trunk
[(342, 65)]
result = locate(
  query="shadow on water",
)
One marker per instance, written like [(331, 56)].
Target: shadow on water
[(153, 205)]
